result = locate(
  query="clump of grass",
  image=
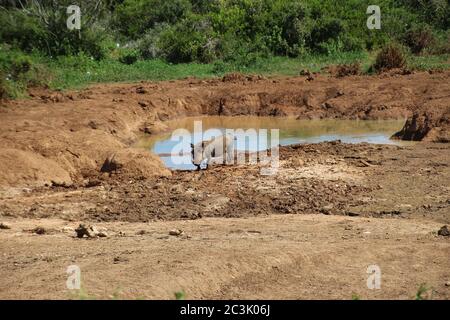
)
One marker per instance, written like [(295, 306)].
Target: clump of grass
[(423, 289), (180, 295), (390, 57), (355, 296)]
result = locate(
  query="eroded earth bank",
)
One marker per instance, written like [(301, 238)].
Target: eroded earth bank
[(309, 231)]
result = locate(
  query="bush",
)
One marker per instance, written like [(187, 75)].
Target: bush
[(419, 39), (5, 90), (129, 56), (134, 17), (390, 57), (22, 31), (230, 30), (45, 30), (441, 44), (148, 44), (19, 72), (190, 40)]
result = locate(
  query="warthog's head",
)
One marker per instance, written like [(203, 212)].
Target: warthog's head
[(197, 152)]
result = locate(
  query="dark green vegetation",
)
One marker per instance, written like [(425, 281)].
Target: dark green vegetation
[(125, 40)]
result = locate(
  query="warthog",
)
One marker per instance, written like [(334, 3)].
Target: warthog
[(219, 149)]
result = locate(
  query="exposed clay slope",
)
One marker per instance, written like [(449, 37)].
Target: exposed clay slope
[(431, 125), (65, 138)]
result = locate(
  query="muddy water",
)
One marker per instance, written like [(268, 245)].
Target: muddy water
[(291, 131)]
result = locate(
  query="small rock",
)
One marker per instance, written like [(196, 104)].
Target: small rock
[(39, 230), (143, 104), (141, 232), (82, 231), (119, 259), (326, 209), (141, 90), (93, 125), (305, 72), (175, 232), (102, 234), (176, 188), (90, 232), (68, 230), (447, 284), (444, 231), (4, 226)]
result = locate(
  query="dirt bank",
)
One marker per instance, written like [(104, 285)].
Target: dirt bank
[(65, 138)]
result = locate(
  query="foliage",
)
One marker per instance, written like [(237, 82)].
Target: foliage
[(390, 57), (18, 72), (129, 56), (230, 30), (122, 40)]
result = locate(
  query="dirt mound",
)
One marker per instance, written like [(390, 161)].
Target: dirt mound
[(344, 70), (233, 77), (134, 163), (239, 77), (429, 126), (19, 167)]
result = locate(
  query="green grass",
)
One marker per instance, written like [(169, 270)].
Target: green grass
[(68, 74), (423, 290), (180, 295), (75, 72), (423, 63)]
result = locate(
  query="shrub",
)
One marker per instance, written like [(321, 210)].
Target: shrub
[(390, 57), (21, 30), (134, 17), (148, 44), (190, 40), (4, 87), (18, 72), (44, 28), (418, 39), (129, 56), (441, 45)]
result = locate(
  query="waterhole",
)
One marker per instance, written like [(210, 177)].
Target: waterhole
[(291, 131)]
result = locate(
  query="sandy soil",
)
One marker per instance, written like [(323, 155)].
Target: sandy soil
[(274, 257), (310, 231)]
